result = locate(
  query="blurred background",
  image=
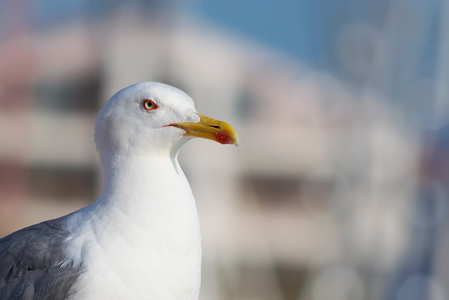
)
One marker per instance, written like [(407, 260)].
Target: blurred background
[(339, 189)]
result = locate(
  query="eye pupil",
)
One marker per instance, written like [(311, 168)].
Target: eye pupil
[(149, 104)]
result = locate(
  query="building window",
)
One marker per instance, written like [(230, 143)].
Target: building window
[(63, 182), (69, 94), (271, 191)]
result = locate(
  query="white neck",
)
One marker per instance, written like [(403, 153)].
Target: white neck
[(152, 185), (145, 222)]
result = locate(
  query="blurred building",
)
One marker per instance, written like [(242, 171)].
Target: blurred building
[(315, 202)]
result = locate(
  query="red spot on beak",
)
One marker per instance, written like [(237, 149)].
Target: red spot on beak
[(223, 139)]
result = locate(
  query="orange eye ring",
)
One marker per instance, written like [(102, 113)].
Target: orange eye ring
[(149, 105)]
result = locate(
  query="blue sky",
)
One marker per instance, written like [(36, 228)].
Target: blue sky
[(284, 25)]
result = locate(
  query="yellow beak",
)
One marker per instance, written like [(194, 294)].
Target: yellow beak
[(211, 129)]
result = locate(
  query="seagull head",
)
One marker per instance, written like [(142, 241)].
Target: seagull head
[(152, 117)]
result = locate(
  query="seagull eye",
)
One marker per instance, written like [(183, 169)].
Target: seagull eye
[(149, 105)]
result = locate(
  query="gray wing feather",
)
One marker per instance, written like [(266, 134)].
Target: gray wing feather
[(31, 263)]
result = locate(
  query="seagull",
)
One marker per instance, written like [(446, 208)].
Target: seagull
[(141, 238)]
